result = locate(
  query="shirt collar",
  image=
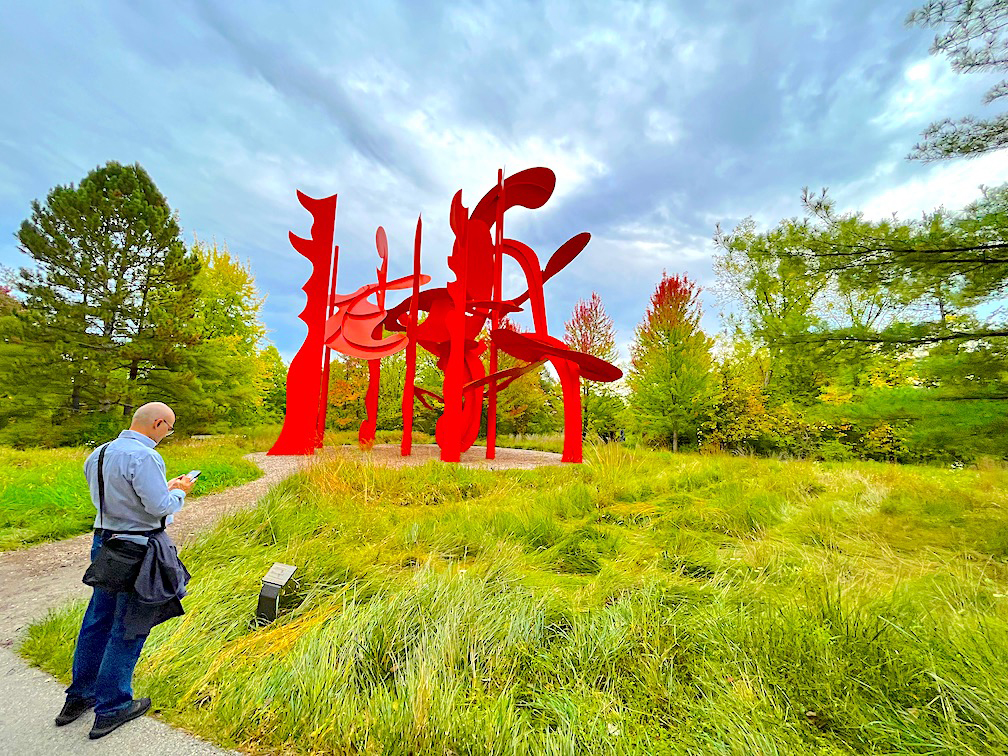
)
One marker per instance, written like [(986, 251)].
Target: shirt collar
[(148, 442)]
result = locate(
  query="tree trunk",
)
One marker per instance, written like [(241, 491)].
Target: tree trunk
[(141, 316), (675, 440), (75, 394), (766, 377), (134, 370)]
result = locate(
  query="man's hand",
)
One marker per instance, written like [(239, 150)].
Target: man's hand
[(182, 483)]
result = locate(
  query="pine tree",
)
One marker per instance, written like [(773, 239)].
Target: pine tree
[(109, 299), (670, 382), (11, 348), (973, 39)]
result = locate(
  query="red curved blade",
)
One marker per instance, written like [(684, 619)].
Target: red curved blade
[(534, 347), (530, 188), (567, 252)]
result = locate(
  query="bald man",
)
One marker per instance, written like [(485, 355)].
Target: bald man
[(139, 502)]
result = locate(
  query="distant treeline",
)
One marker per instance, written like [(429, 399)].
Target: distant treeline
[(847, 338)]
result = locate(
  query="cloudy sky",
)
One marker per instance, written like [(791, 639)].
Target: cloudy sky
[(659, 119)]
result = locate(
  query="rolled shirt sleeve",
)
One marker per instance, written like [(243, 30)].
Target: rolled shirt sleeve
[(148, 479)]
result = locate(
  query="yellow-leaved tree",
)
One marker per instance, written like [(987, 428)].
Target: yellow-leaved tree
[(223, 381)]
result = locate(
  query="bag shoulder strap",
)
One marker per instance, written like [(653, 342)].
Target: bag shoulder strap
[(101, 486)]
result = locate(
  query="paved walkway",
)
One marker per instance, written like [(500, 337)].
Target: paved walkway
[(35, 580)]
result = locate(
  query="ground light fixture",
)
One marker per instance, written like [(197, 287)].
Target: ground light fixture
[(273, 585)]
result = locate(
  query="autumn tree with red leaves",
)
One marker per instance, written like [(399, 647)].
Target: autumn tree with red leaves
[(670, 365), (590, 330)]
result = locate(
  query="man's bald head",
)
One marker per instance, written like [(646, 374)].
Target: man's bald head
[(154, 419)]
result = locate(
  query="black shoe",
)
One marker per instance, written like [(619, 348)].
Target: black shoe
[(104, 725), (73, 709)]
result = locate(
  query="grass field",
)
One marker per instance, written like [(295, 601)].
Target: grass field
[(44, 497), (640, 603)]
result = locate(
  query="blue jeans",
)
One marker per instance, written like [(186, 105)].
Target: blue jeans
[(103, 660)]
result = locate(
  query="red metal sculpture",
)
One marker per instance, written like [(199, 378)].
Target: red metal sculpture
[(306, 391), (456, 316)]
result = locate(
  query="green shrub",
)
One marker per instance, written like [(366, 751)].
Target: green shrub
[(885, 444)]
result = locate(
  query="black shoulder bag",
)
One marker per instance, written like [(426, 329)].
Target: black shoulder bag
[(117, 564)]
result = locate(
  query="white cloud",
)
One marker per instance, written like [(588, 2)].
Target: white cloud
[(474, 155), (951, 185), (663, 126), (927, 85), (659, 120)]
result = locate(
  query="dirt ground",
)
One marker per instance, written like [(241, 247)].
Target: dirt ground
[(506, 459)]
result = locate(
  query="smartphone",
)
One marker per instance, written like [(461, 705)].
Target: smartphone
[(193, 474)]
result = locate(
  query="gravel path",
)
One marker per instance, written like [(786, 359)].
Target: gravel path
[(507, 459)]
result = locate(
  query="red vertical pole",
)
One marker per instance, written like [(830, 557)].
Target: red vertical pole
[(451, 448), (324, 397), (570, 385), (491, 442), (366, 435), (409, 389)]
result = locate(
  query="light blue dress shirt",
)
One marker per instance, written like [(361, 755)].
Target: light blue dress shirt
[(136, 492)]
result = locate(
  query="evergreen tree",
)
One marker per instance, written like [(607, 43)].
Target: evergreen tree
[(670, 381), (11, 349), (930, 272), (109, 300), (974, 40)]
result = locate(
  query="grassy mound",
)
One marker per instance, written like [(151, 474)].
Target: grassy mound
[(640, 603), (45, 497)]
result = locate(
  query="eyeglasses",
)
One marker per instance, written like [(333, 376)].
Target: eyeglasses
[(171, 428)]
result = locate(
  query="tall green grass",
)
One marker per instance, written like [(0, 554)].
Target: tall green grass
[(44, 496), (644, 602)]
